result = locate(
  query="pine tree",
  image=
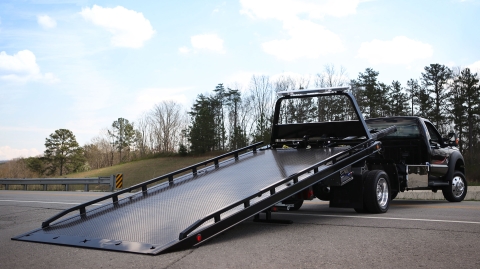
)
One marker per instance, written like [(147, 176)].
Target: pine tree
[(412, 90), (397, 100), (123, 135), (370, 94), (201, 133), (435, 79), (467, 104), (63, 154)]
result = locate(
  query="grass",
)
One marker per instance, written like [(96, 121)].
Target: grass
[(133, 172), (139, 171)]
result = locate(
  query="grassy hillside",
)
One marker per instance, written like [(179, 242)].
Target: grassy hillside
[(139, 171)]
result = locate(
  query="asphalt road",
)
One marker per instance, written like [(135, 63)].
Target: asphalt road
[(413, 234)]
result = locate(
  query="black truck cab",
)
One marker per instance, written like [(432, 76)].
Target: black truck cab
[(424, 160)]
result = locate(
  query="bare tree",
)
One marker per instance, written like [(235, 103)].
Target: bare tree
[(100, 151), (143, 135), (16, 168), (332, 108), (167, 121), (261, 95), (331, 77)]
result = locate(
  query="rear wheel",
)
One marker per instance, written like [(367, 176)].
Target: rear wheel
[(291, 204), (457, 189), (321, 192), (296, 205), (377, 192)]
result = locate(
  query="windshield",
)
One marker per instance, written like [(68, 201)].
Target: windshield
[(406, 127)]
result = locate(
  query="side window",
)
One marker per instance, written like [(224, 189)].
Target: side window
[(434, 135)]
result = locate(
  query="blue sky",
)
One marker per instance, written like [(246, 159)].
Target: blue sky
[(80, 65)]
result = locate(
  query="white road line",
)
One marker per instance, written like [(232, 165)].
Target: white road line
[(385, 218), (41, 202)]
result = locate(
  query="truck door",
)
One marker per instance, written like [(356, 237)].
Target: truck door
[(440, 152)]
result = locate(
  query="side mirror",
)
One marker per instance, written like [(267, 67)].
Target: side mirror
[(434, 144), (452, 139)]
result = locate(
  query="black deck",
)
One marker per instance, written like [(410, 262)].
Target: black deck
[(151, 221)]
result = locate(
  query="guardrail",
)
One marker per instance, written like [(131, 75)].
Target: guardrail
[(59, 181)]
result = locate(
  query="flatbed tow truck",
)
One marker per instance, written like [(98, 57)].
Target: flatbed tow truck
[(312, 152)]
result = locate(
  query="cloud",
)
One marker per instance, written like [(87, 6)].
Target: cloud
[(129, 28), (207, 42), (307, 40), (8, 153), (184, 50), (399, 50), (22, 67), (291, 75), (46, 22), (147, 98), (240, 80), (291, 9), (475, 67)]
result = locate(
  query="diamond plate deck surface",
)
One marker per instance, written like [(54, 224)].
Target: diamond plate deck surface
[(160, 216)]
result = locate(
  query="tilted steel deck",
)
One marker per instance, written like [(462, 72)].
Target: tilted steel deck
[(184, 211)]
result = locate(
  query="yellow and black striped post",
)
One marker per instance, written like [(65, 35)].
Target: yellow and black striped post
[(119, 181)]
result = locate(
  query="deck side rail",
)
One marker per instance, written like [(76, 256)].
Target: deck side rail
[(144, 185), (333, 164)]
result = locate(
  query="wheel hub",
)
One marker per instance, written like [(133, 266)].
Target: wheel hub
[(382, 192), (458, 186)]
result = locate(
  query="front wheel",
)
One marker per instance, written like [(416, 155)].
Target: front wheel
[(377, 192), (457, 189), (394, 194)]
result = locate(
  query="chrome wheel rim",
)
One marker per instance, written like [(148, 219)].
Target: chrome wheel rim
[(382, 192), (458, 186)]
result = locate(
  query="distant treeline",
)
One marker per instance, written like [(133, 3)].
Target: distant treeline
[(231, 117)]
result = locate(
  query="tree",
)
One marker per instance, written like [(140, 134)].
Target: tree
[(142, 134), (412, 90), (435, 79), (63, 153), (123, 135), (165, 122), (334, 107), (261, 96), (370, 96), (36, 164), (237, 135), (18, 168), (331, 77), (465, 99), (397, 100), (202, 130), (218, 101)]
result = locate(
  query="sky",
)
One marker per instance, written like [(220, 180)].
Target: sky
[(80, 65)]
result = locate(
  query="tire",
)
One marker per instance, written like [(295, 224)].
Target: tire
[(322, 193), (393, 194), (360, 210), (377, 192), (457, 188)]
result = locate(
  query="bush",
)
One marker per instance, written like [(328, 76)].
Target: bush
[(182, 150)]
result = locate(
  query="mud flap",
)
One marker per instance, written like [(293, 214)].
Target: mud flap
[(349, 195)]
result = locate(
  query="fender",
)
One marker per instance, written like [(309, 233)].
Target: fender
[(455, 163)]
